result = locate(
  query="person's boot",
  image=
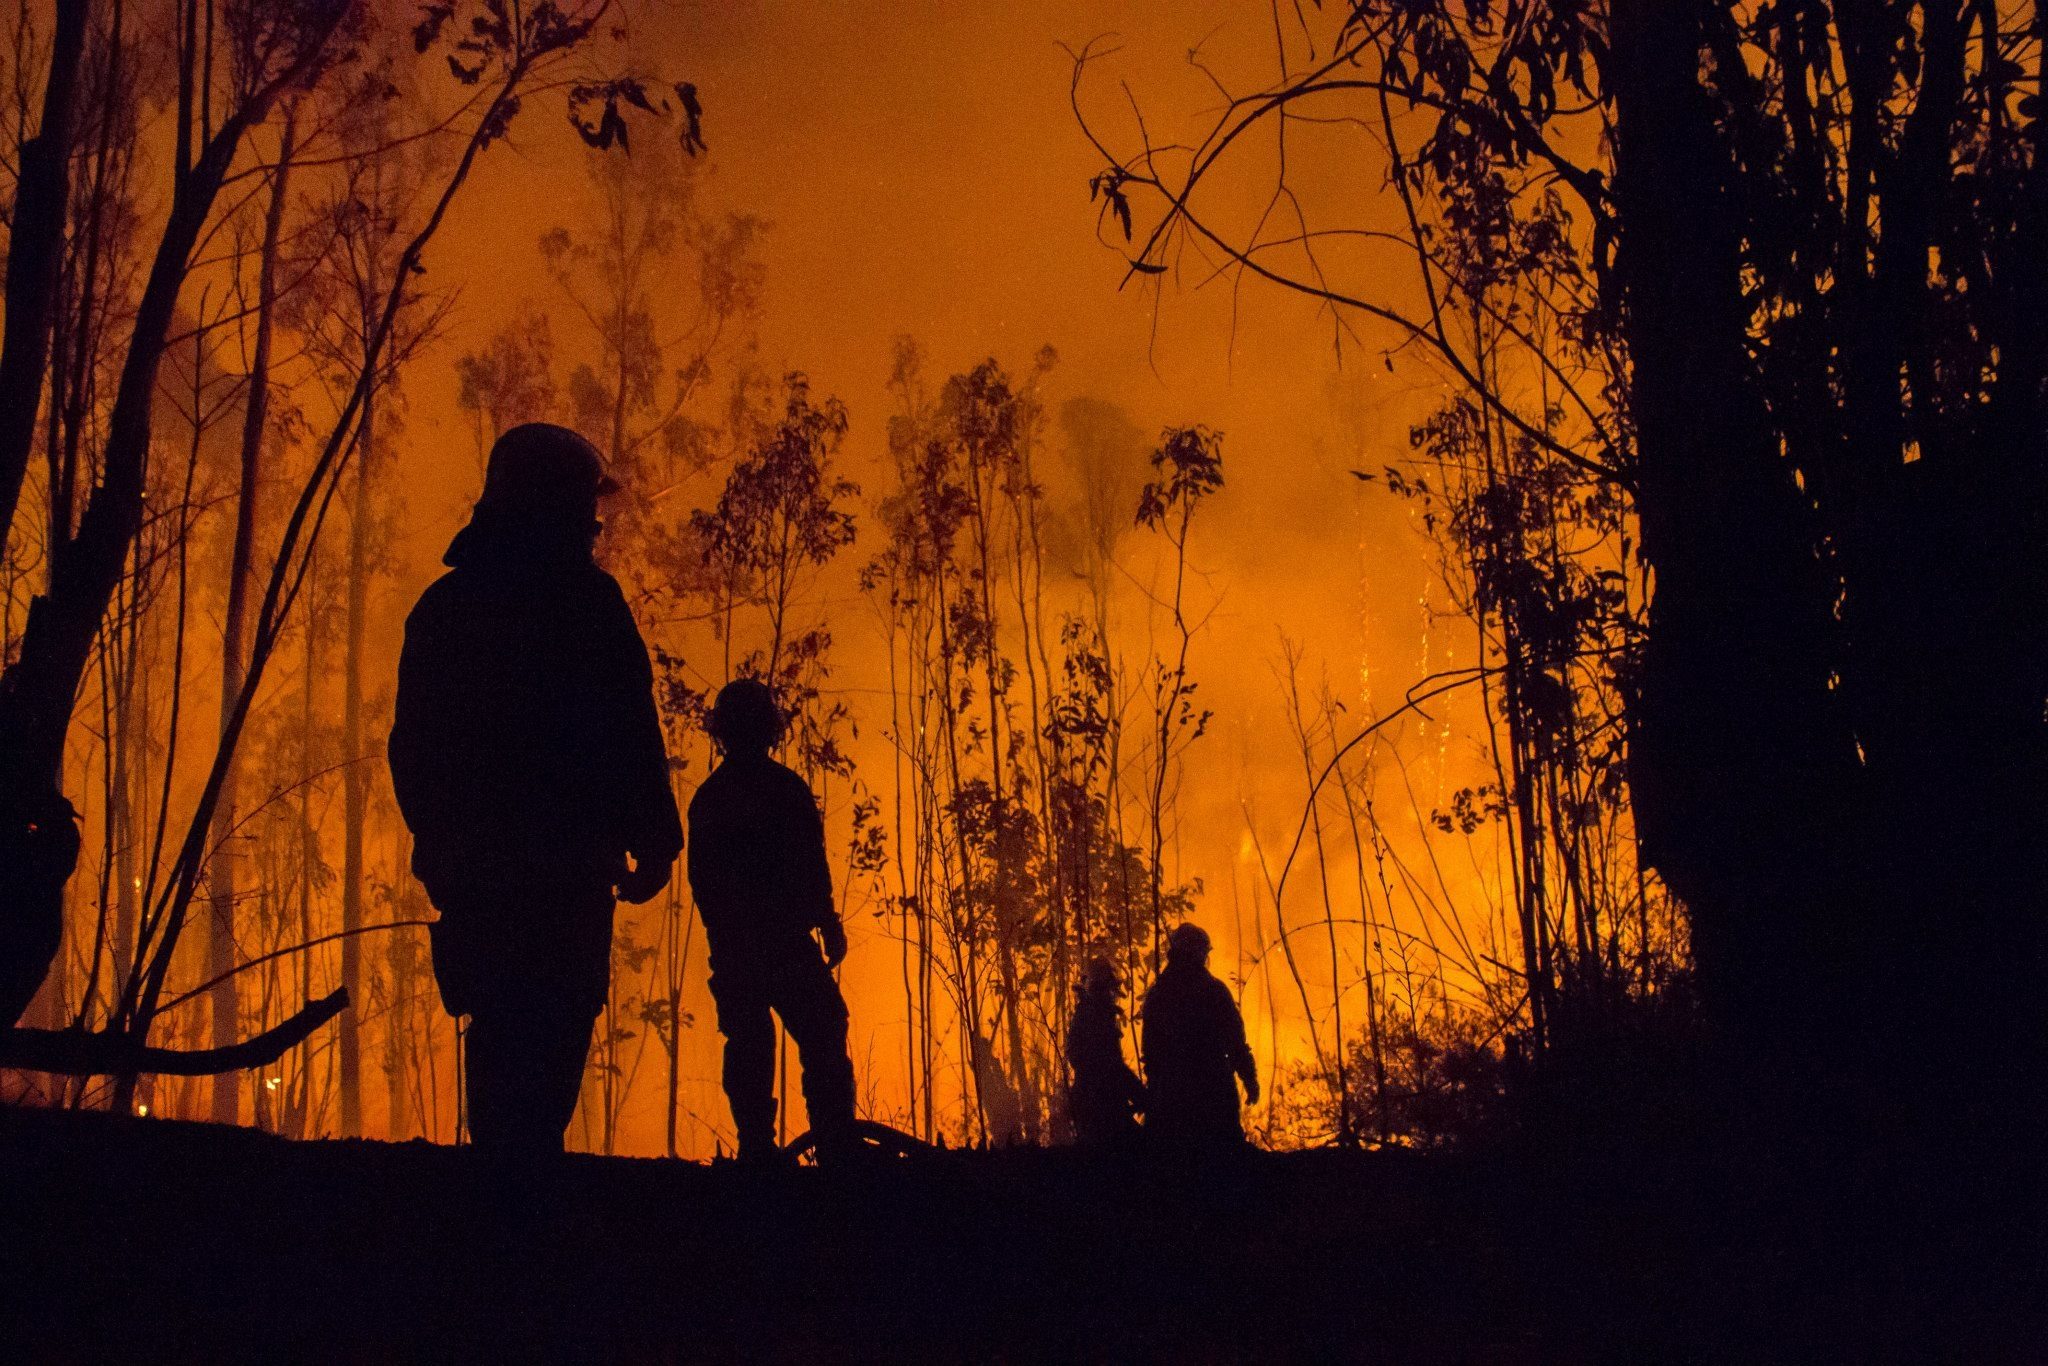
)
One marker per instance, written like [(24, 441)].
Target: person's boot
[(838, 1144), (758, 1148)]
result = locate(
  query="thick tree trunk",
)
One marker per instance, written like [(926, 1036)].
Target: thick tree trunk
[(38, 835), (1740, 762), (35, 256)]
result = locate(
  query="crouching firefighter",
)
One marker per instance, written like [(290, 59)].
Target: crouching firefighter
[(761, 881), (528, 762)]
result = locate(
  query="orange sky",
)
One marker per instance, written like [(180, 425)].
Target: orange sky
[(924, 175)]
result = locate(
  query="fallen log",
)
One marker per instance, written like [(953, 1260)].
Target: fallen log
[(76, 1053)]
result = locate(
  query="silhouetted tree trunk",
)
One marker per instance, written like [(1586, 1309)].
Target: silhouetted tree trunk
[(355, 774), (129, 783), (35, 255), (1740, 761), (309, 838), (402, 1044)]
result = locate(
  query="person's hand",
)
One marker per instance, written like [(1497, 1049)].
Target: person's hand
[(1251, 1090), (834, 935), (645, 880)]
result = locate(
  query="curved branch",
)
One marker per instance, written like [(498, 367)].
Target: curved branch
[(75, 1053), (285, 952), (1456, 678)]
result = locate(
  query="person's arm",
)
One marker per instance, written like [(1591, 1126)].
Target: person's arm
[(1127, 1080), (653, 827), (1241, 1060), (811, 870), (426, 726), (417, 717), (709, 858)]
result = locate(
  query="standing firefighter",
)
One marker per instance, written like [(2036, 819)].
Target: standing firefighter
[(1106, 1095), (1195, 1050), (758, 870), (528, 762)]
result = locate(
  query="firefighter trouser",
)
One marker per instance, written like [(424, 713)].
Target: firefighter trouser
[(530, 967), (795, 985), (525, 1061)]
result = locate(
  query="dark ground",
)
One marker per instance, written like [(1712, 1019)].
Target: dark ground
[(128, 1239)]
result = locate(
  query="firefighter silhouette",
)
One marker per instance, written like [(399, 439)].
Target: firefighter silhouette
[(1194, 1050), (528, 761), (761, 881), (1105, 1097)]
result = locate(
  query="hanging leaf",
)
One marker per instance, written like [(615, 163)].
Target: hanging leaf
[(693, 118), (433, 18)]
